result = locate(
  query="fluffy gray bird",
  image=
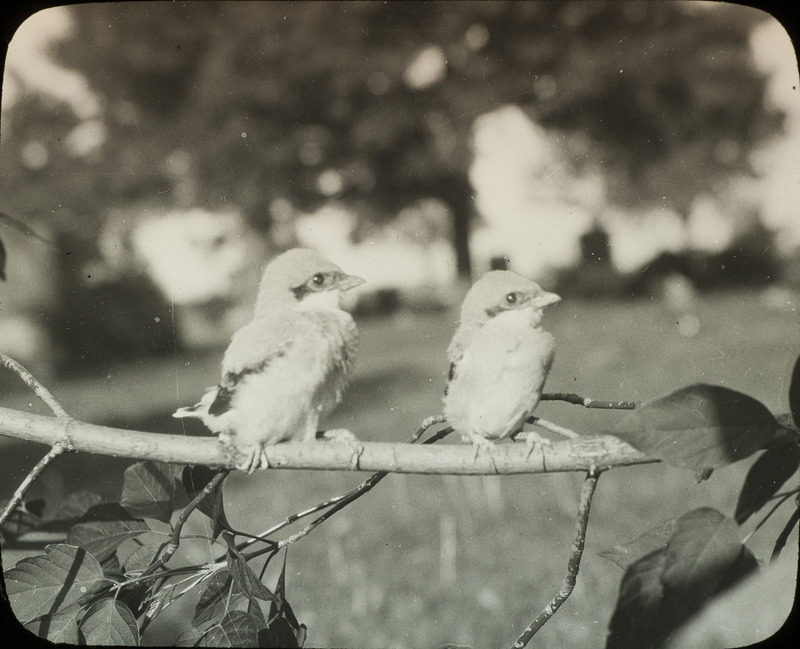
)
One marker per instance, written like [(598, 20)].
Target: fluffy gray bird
[(500, 357), (288, 367)]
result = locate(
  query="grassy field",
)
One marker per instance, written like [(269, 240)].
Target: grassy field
[(424, 560)]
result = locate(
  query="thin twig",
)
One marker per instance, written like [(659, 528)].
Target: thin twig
[(58, 449), (341, 501), (553, 428), (589, 486), (588, 402), (175, 539), (42, 392)]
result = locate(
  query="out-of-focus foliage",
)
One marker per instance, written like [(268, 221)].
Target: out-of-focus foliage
[(208, 103)]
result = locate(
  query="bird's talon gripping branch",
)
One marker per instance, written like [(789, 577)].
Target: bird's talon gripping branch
[(251, 459), (344, 436), (533, 439)]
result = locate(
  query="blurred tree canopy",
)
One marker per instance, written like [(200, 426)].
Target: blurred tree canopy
[(207, 103)]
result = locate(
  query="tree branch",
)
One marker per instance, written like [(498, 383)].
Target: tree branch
[(567, 586), (587, 402), (57, 450), (458, 459), (42, 392)]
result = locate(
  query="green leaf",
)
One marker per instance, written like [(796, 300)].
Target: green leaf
[(663, 589), (141, 557), (794, 393), (765, 477), (636, 616), (236, 629), (700, 427), (280, 633), (103, 528), (46, 584), (78, 503), (109, 622), (189, 638), (149, 490), (62, 627), (656, 538), (703, 546), (214, 599), (246, 580)]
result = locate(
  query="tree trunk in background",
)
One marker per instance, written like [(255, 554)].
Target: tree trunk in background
[(456, 192)]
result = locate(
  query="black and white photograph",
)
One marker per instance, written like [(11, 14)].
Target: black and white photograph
[(399, 324)]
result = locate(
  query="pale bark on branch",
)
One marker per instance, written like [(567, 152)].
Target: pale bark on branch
[(580, 454)]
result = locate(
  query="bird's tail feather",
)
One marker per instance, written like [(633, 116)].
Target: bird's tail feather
[(199, 409), (189, 411)]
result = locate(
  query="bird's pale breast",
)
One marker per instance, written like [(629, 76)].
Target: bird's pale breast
[(499, 378), (301, 384)]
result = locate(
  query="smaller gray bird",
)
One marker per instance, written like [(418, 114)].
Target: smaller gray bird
[(500, 357)]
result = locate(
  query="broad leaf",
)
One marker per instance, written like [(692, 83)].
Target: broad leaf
[(700, 427), (190, 637), (141, 558), (663, 589), (215, 598), (103, 528), (78, 503), (246, 580), (656, 538), (704, 545), (765, 477), (280, 633), (109, 622), (236, 629), (61, 627), (46, 584), (638, 611), (794, 393), (149, 490)]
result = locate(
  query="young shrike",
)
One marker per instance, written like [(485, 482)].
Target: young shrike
[(288, 366), (500, 357)]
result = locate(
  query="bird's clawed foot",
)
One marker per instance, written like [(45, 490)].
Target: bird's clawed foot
[(532, 440), (344, 436), (246, 459), (481, 444)]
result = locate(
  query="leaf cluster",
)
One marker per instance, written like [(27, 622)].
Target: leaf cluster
[(109, 581), (673, 569)]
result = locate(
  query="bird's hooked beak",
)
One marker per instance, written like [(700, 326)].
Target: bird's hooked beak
[(350, 281), (544, 299)]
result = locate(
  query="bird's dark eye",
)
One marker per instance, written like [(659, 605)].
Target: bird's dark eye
[(318, 279), (511, 298)]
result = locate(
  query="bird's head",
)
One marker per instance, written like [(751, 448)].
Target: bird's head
[(302, 278), (495, 294)]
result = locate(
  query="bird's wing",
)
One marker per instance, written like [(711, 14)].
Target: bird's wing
[(230, 380), (251, 351)]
